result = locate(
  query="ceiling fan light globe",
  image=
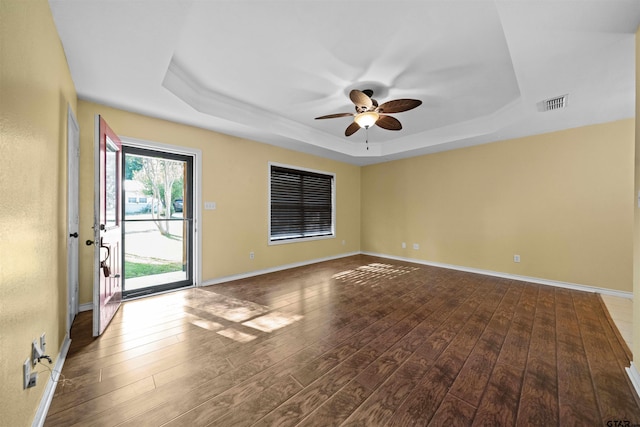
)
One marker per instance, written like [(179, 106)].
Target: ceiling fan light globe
[(366, 119)]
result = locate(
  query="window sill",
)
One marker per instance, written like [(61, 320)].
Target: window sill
[(300, 239)]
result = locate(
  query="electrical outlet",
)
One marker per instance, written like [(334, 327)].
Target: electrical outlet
[(252, 255), (26, 373), (36, 352), (404, 245), (344, 242), (416, 246), (33, 379), (43, 343), (516, 258)]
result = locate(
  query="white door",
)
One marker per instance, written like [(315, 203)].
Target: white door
[(73, 165)]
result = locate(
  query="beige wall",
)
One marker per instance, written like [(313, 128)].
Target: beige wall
[(35, 88), (636, 235), (559, 200), (235, 176)]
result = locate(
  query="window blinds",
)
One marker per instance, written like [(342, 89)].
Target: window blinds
[(301, 204)]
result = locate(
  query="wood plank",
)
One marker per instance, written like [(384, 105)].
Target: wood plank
[(95, 406), (539, 396), (576, 397), (360, 341), (453, 412), (474, 375), (327, 385), (176, 399), (423, 402), (499, 403), (255, 406), (613, 393), (380, 406)]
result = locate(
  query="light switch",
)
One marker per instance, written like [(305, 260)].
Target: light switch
[(210, 206)]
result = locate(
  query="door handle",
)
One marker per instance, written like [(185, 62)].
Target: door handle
[(89, 242), (74, 235), (105, 267), (108, 248)]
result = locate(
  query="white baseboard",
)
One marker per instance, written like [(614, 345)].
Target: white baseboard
[(50, 388), (85, 307), (274, 269), (634, 375), (575, 286)]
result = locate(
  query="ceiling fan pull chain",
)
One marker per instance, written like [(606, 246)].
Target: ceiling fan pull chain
[(366, 138)]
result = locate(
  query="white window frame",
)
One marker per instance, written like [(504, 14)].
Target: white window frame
[(333, 205)]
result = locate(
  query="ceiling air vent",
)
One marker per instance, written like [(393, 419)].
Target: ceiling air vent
[(555, 103)]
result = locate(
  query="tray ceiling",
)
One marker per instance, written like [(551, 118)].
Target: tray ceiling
[(264, 69)]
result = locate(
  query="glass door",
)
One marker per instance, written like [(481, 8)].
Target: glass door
[(157, 229)]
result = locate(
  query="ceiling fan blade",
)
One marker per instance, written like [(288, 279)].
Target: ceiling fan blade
[(333, 116), (389, 123), (399, 105), (360, 99), (351, 129)]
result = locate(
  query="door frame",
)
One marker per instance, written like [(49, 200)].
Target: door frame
[(197, 195), (73, 216)]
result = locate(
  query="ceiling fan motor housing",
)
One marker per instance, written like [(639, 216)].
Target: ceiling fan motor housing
[(369, 113)]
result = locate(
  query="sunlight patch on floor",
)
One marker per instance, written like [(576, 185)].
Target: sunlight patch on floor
[(236, 335), (211, 311), (206, 324), (228, 308), (272, 321), (372, 273)]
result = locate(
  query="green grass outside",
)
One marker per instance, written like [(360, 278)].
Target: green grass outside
[(134, 269)]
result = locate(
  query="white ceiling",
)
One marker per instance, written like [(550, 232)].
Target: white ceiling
[(264, 69)]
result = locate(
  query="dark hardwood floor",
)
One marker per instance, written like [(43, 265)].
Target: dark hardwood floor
[(359, 341)]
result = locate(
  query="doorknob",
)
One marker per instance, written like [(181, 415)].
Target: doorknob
[(89, 242), (74, 234)]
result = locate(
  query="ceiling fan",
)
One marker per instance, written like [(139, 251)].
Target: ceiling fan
[(369, 113)]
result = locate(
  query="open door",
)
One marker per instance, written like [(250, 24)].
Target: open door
[(73, 219), (107, 281)]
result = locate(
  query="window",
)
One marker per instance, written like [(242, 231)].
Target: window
[(131, 200), (142, 200), (301, 204)]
